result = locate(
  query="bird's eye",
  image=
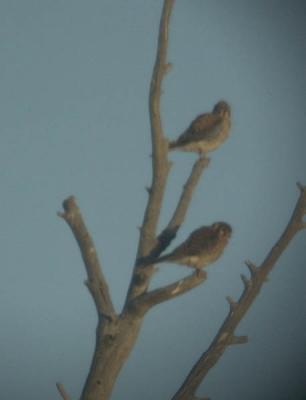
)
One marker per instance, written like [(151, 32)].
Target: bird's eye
[(224, 232)]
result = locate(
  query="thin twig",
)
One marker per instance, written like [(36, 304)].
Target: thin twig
[(169, 233), (62, 391), (168, 292), (96, 282), (184, 201), (225, 336)]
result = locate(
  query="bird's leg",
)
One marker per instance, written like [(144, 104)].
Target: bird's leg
[(200, 273), (201, 154)]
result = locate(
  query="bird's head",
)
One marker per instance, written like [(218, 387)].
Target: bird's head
[(222, 108), (222, 229)]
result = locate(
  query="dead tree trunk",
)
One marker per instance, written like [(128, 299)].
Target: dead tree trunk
[(117, 332), (115, 339)]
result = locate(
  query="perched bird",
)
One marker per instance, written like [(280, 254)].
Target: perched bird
[(206, 132), (203, 246)]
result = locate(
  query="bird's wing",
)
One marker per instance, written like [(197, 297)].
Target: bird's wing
[(203, 127), (198, 241)]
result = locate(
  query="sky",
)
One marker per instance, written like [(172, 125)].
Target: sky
[(74, 79)]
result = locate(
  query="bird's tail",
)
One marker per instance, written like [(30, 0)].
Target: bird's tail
[(161, 259), (150, 260)]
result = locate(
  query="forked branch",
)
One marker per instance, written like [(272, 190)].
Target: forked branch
[(117, 334), (226, 334), (160, 164), (96, 282), (149, 245), (168, 292)]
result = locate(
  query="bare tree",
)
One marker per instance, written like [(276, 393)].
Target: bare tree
[(117, 332)]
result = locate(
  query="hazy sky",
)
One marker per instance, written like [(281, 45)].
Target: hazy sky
[(74, 120)]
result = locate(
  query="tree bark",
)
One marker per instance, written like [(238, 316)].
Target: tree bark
[(114, 342)]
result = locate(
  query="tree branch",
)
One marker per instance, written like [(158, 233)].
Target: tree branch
[(225, 336), (168, 292), (96, 282), (148, 300), (160, 163), (169, 233), (62, 391)]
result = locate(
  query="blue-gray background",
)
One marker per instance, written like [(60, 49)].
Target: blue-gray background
[(73, 105)]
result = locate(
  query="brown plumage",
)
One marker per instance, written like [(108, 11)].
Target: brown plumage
[(203, 246), (206, 132)]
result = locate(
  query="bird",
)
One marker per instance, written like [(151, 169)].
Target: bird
[(203, 246), (206, 132)]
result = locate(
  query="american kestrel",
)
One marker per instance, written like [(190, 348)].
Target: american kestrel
[(203, 246), (206, 132)]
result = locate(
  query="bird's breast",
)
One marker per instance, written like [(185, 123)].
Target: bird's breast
[(188, 260), (211, 255), (210, 140), (216, 135)]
